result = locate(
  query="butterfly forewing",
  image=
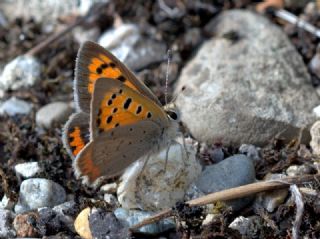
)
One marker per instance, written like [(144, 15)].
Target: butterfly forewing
[(94, 62), (115, 105), (113, 151)]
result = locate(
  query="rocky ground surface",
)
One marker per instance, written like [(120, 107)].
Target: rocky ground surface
[(246, 83)]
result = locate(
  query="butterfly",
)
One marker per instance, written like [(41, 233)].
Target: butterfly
[(118, 119)]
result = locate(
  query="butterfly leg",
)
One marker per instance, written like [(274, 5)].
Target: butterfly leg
[(167, 157), (184, 145), (144, 165)]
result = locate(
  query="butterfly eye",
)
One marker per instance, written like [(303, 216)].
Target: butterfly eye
[(172, 115)]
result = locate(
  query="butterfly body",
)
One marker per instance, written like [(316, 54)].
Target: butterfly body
[(123, 120)]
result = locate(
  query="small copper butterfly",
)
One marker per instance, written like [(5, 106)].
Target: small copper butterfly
[(118, 119)]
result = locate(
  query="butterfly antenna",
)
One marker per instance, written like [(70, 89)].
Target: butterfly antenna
[(169, 55)]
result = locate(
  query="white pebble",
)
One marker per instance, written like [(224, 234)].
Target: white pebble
[(23, 71), (28, 170), (14, 106)]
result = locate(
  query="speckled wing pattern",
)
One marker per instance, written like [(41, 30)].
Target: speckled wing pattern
[(124, 124), (114, 150), (94, 62), (115, 105), (76, 133)]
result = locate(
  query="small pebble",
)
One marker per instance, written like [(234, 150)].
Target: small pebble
[(81, 224), (109, 188), (120, 40), (28, 170), (316, 111), (314, 64), (156, 189), (39, 192), (6, 230), (247, 227), (105, 225), (251, 151), (14, 106), (67, 211), (270, 200), (56, 112), (232, 172), (26, 224), (111, 200), (50, 222), (315, 138), (209, 218), (132, 217), (6, 203), (23, 71), (296, 170)]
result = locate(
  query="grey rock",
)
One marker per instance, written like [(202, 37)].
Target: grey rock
[(28, 170), (6, 218), (14, 106), (132, 217), (56, 112), (106, 225), (38, 192), (247, 90), (136, 51), (23, 71), (232, 172)]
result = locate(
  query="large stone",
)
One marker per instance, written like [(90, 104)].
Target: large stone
[(246, 85), (159, 185)]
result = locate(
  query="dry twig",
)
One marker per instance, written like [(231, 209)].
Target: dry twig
[(39, 48), (233, 193)]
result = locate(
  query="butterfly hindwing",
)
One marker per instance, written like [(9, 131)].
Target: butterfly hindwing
[(94, 62), (113, 151), (115, 105), (76, 133)]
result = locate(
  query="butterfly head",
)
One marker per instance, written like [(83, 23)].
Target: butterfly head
[(172, 112)]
